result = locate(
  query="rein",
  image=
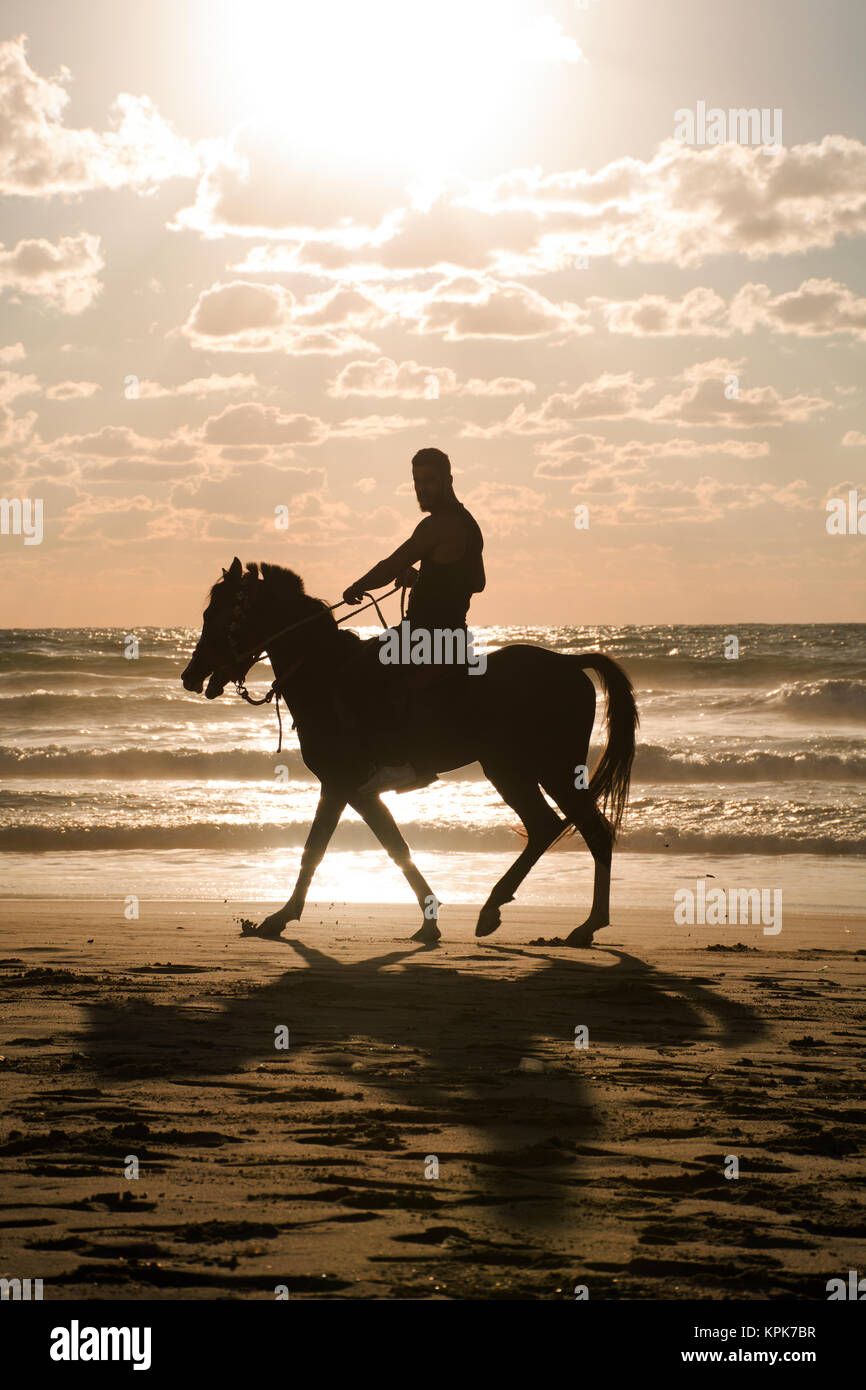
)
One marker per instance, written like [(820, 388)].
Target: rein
[(274, 693)]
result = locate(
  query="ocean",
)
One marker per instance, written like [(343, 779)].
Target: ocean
[(117, 782)]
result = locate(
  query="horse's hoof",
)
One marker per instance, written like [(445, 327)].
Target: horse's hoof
[(427, 934), (271, 929), (582, 935), (488, 920)]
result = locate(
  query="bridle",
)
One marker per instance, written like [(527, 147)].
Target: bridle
[(239, 612)]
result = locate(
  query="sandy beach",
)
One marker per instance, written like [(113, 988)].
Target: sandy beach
[(312, 1167)]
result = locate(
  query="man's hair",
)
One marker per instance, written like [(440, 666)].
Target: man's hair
[(433, 458)]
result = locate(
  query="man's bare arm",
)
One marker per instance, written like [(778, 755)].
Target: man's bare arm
[(419, 544)]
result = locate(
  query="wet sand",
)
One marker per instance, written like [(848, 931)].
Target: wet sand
[(307, 1168)]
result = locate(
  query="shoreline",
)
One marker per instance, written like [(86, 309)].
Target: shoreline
[(561, 881)]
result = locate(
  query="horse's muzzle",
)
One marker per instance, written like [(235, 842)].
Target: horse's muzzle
[(215, 687), (197, 672), (191, 680)]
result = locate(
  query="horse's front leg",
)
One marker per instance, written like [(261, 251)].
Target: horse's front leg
[(387, 832), (328, 812)]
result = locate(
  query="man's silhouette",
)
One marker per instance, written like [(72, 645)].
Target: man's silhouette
[(447, 545)]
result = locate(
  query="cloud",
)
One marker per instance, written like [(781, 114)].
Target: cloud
[(497, 386), (417, 235), (701, 312), (13, 352), (319, 520), (503, 508), (685, 204), (375, 426), (117, 521), (245, 492), (199, 387), (609, 397), (177, 447), (817, 309), (854, 439), (41, 157), (260, 183), (121, 442), (246, 317), (469, 307), (252, 424), (64, 275), (138, 470), (411, 381), (71, 390), (616, 502), (682, 206), (569, 458), (15, 430), (703, 400), (111, 441), (13, 384), (443, 233), (226, 310)]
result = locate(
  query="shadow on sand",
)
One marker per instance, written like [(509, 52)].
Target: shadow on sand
[(438, 1049)]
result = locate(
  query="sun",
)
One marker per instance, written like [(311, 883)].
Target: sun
[(412, 87)]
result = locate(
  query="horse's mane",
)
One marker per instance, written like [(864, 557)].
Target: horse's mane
[(283, 582)]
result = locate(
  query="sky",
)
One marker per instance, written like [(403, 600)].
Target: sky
[(254, 256)]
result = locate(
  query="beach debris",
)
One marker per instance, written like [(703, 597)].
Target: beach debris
[(530, 1064)]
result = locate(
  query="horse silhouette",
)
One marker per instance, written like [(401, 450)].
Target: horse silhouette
[(527, 720)]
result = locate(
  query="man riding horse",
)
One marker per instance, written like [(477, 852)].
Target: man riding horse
[(448, 544), (527, 721)]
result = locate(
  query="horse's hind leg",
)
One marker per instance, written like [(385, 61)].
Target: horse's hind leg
[(580, 808), (543, 826), (387, 832)]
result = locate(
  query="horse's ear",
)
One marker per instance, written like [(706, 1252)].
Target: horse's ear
[(235, 570)]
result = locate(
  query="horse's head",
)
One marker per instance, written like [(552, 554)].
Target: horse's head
[(226, 648)]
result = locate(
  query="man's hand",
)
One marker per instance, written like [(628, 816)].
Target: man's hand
[(354, 594)]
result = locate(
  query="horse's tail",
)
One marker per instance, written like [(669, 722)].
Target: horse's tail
[(612, 776)]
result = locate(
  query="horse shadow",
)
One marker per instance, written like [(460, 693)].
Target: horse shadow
[(478, 1066)]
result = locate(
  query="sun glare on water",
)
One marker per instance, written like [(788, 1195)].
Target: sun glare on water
[(397, 81)]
